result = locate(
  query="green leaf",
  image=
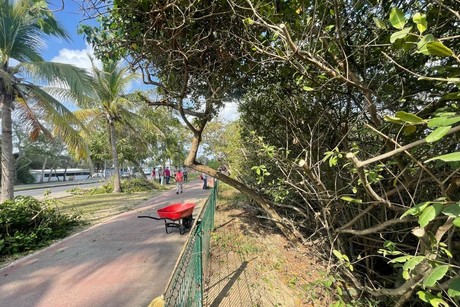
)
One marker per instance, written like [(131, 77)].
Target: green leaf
[(446, 251), (340, 256), (351, 199), (429, 213), (401, 259), (392, 119), (456, 222), (339, 291), (454, 288), (437, 134), (435, 275), (333, 161), (443, 121), (400, 34), (438, 49), (248, 21), (405, 275), (421, 45), (451, 157), (397, 19), (308, 89), (450, 96), (412, 263), (417, 209), (452, 210), (379, 23), (432, 299), (408, 130), (420, 20), (409, 117)]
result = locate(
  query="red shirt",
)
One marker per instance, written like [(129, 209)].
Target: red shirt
[(179, 176)]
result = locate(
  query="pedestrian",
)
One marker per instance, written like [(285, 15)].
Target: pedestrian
[(204, 177), (160, 175), (152, 177), (167, 175), (179, 181), (185, 172)]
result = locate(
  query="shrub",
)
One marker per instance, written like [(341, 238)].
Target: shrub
[(128, 186), (27, 224)]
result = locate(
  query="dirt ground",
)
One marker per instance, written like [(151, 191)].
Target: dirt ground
[(253, 265)]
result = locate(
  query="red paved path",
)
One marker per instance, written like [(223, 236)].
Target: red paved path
[(125, 261)]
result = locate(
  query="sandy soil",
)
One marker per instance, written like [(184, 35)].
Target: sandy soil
[(253, 265)]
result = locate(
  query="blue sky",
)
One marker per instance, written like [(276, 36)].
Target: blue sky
[(74, 51)]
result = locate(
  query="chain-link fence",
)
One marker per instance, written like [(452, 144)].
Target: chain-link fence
[(185, 287)]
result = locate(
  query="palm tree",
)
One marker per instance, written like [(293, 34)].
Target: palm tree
[(24, 24), (109, 106)]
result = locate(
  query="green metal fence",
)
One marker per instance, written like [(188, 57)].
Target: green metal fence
[(185, 287)]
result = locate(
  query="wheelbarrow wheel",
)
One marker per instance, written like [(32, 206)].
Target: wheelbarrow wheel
[(188, 221)]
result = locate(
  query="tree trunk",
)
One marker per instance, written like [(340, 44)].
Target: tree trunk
[(113, 143), (138, 168), (7, 148), (291, 234), (43, 170)]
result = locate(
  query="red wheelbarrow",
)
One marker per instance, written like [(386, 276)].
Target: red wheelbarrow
[(175, 216)]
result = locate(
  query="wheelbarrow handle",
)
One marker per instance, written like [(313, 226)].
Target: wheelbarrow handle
[(150, 217)]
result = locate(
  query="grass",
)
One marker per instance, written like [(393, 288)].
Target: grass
[(98, 208)]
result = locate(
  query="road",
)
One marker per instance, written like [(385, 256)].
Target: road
[(57, 190)]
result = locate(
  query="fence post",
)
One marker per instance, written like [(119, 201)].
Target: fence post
[(200, 255)]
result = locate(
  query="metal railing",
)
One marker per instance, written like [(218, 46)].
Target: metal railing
[(185, 288)]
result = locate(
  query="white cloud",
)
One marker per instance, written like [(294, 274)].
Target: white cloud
[(230, 112), (79, 58)]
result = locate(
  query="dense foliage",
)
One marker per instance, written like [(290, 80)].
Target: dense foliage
[(27, 224)]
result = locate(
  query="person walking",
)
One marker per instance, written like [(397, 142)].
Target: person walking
[(152, 177), (179, 181), (160, 176), (167, 175), (204, 177), (185, 172)]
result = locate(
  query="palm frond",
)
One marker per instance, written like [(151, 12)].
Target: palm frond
[(112, 81), (65, 123), (45, 103), (21, 36), (92, 118), (65, 95), (29, 119), (67, 76), (85, 115)]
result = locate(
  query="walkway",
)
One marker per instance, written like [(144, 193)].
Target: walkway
[(125, 261)]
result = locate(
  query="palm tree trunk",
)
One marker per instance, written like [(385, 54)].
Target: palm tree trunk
[(113, 143), (7, 149), (42, 177)]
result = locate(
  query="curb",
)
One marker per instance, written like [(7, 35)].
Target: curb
[(34, 186)]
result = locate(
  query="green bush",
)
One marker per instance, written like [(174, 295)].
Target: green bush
[(27, 224), (139, 185)]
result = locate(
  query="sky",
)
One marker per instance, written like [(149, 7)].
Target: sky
[(76, 50)]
